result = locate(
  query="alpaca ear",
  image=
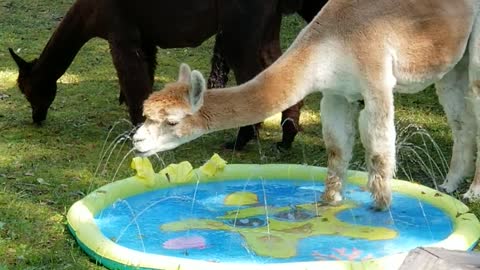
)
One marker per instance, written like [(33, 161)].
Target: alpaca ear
[(196, 91), (184, 74), (22, 64)]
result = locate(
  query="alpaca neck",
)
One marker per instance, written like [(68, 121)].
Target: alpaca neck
[(63, 45), (282, 85)]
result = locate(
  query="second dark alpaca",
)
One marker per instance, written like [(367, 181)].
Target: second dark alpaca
[(218, 78)]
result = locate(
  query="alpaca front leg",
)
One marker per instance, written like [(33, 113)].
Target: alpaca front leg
[(377, 132), (452, 90), (134, 74), (219, 67), (338, 128), (150, 57)]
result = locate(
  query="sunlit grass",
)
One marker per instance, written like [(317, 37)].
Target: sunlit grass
[(8, 79), (68, 78), (163, 79)]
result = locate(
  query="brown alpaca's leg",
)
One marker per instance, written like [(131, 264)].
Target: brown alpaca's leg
[(133, 72), (219, 69), (245, 70), (291, 116), (244, 135), (290, 125), (218, 79), (248, 58), (150, 56), (290, 122)]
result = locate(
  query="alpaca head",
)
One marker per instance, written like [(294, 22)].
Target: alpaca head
[(172, 114), (40, 92)]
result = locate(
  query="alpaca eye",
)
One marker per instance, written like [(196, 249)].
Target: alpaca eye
[(172, 123)]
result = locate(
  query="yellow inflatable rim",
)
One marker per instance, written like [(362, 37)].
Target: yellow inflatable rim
[(81, 222)]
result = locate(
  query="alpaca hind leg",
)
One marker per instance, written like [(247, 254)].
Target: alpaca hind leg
[(473, 96), (377, 133), (290, 126), (338, 128), (452, 91)]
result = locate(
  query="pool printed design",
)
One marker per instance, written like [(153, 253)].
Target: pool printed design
[(285, 222)]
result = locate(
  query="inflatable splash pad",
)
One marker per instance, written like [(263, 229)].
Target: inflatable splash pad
[(260, 217)]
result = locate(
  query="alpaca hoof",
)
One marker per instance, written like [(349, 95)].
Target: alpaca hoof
[(283, 147), (234, 146), (332, 198), (381, 193), (382, 204), (38, 123), (382, 200), (448, 187), (241, 141), (473, 194)]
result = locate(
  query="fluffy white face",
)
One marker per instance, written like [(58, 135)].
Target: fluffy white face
[(153, 137), (172, 115)]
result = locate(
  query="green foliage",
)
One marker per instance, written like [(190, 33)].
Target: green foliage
[(44, 170)]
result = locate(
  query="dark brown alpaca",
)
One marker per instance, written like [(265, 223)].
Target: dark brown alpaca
[(218, 78), (134, 29)]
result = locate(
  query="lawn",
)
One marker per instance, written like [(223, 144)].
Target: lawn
[(44, 170)]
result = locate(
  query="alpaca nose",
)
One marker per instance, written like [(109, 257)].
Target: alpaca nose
[(138, 134), (137, 139)]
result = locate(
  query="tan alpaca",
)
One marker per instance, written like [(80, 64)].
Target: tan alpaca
[(353, 50)]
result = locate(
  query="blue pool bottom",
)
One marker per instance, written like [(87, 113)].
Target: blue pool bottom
[(135, 222)]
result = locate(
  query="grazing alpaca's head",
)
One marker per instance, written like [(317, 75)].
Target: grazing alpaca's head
[(172, 115), (39, 92)]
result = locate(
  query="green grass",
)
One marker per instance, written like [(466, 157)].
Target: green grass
[(44, 170)]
